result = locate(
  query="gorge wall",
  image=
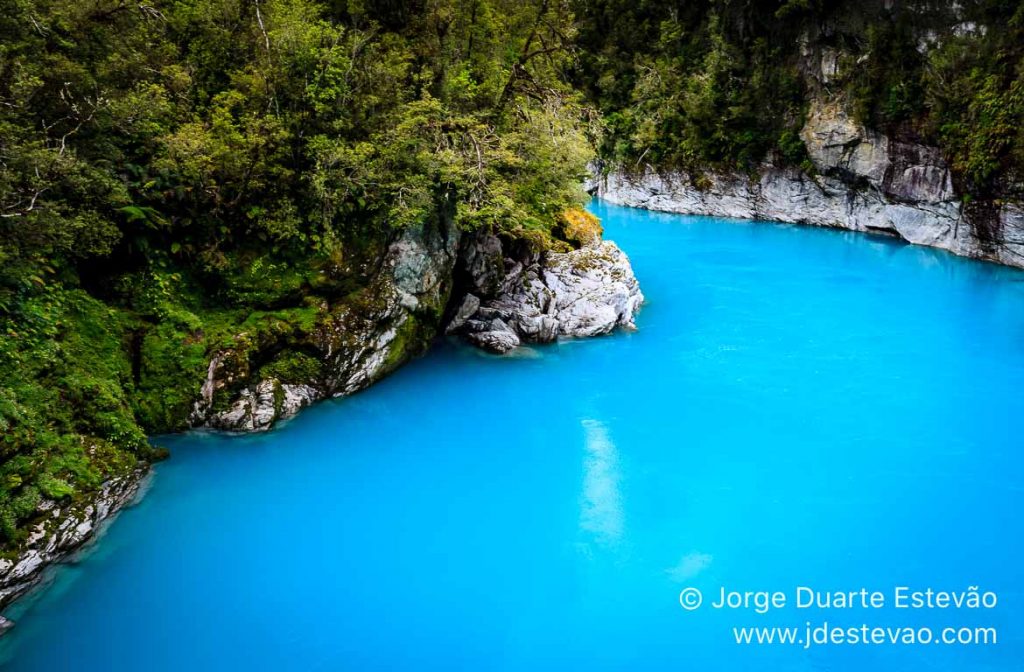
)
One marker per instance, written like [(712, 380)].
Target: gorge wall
[(862, 181), (854, 176), (496, 292)]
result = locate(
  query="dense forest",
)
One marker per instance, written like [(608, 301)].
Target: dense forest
[(726, 84), (174, 173), (177, 173)]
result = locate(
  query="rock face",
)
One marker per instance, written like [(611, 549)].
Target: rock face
[(507, 295), (60, 532), (256, 409), (863, 181), (358, 341), (510, 296), (538, 298)]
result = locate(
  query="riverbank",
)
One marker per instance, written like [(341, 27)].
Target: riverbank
[(792, 196), (547, 508), (495, 292), (859, 179)]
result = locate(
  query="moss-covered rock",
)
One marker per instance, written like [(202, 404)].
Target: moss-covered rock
[(279, 361)]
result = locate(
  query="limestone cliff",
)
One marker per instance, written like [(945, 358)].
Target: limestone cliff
[(513, 297), (429, 278), (859, 179), (356, 342)]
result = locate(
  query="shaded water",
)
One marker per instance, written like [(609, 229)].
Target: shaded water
[(799, 407)]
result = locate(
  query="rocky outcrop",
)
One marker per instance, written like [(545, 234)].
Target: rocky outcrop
[(60, 532), (357, 340), (863, 181), (508, 295), (256, 409), (538, 298)]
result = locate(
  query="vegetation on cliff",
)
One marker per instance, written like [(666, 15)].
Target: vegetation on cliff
[(725, 84), (182, 174), (178, 177)]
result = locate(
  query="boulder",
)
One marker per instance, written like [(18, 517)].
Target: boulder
[(498, 341), (585, 292), (470, 304)]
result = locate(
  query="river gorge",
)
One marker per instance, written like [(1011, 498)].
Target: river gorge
[(797, 407)]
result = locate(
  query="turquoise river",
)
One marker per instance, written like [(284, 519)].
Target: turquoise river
[(799, 408)]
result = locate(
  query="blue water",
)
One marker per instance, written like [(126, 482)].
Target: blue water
[(798, 407)]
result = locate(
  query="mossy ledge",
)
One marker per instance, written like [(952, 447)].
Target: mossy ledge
[(182, 365), (111, 375)]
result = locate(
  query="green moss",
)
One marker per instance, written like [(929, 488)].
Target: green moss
[(411, 339), (54, 487), (293, 367), (265, 281), (84, 381), (172, 366), (64, 408), (278, 399)]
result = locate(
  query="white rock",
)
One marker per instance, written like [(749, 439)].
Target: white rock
[(257, 409), (788, 195), (38, 532), (585, 292), (74, 527), (1011, 226), (27, 565), (500, 341), (82, 530), (594, 290), (470, 304)]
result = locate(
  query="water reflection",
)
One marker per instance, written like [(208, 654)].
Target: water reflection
[(689, 566), (601, 507)]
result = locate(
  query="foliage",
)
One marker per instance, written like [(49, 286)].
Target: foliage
[(725, 84), (183, 175), (692, 84), (975, 96), (580, 227)]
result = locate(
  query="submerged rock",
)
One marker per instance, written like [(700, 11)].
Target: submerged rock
[(539, 298), (500, 340)]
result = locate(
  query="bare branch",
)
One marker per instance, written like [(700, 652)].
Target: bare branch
[(263, 29)]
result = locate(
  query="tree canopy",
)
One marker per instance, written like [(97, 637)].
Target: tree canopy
[(176, 172), (725, 84), (170, 168)]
